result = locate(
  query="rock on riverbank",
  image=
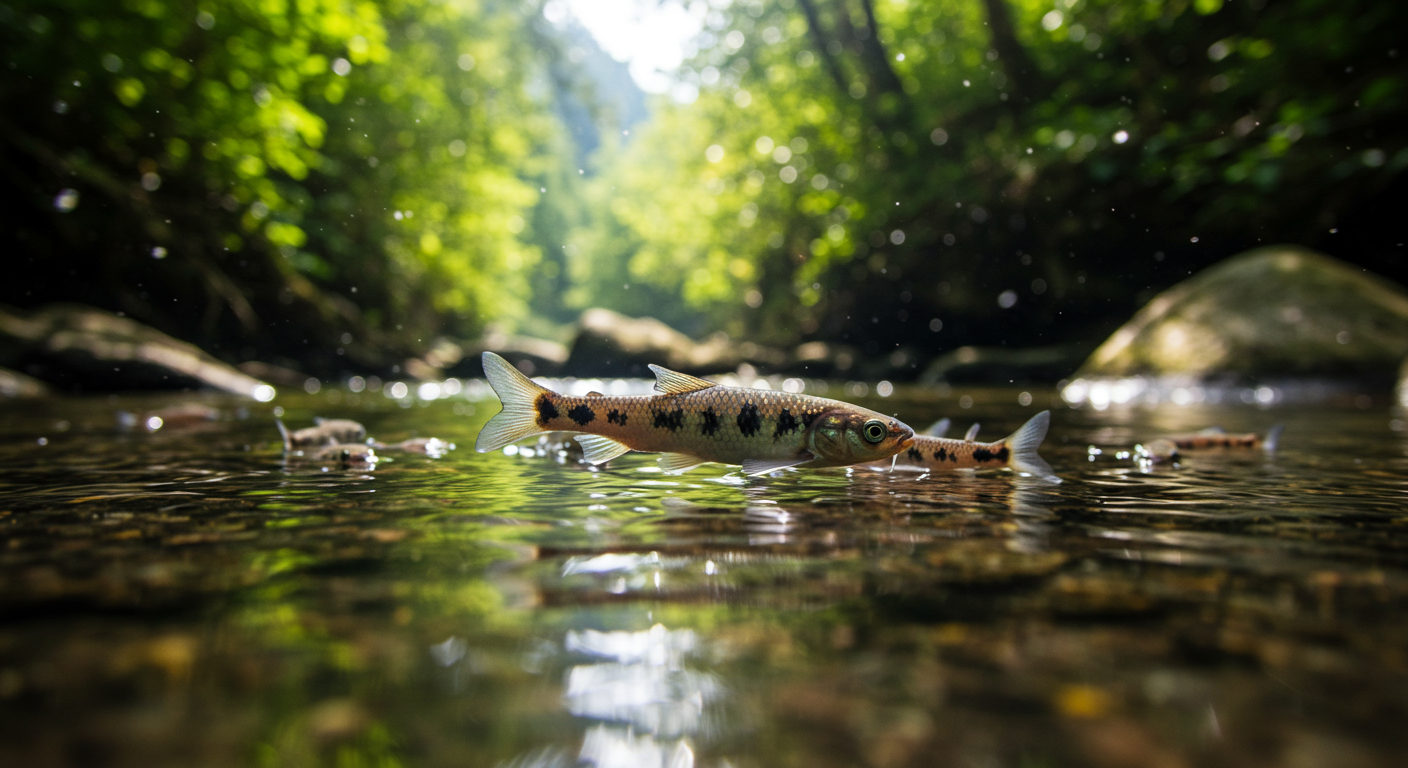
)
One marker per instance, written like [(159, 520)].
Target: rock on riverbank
[(1270, 312), (71, 346)]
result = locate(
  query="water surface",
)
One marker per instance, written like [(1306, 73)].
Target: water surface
[(186, 597)]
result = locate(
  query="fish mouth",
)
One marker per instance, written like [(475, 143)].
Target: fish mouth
[(906, 442)]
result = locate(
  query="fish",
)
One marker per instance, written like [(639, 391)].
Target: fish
[(433, 447), (1017, 452), (349, 455), (692, 422), (1170, 448), (325, 432)]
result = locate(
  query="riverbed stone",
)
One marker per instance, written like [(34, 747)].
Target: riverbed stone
[(72, 346), (1275, 311)]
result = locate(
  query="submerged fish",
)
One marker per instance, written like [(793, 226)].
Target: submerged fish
[(1017, 452), (326, 432), (694, 421), (1170, 448), (433, 447), (351, 455)]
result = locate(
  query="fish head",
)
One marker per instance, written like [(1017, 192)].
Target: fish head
[(855, 435)]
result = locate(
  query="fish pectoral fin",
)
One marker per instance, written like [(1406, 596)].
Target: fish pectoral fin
[(599, 450), (675, 383), (677, 463), (764, 466)]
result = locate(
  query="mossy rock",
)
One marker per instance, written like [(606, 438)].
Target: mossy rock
[(1276, 311)]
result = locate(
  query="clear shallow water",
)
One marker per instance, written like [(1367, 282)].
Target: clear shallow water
[(185, 598)]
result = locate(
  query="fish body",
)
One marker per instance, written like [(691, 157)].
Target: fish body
[(355, 455), (325, 432), (694, 421), (1017, 452), (1170, 448)]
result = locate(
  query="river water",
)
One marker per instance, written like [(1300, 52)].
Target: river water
[(186, 597)]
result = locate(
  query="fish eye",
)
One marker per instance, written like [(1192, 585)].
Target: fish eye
[(873, 431)]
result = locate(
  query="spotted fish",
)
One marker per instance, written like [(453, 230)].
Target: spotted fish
[(1170, 448), (1017, 452), (693, 421)]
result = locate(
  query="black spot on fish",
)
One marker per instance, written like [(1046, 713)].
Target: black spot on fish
[(914, 455), (940, 454), (546, 410), (983, 454), (786, 424), (808, 417), (749, 422), (709, 423), (616, 417), (582, 414), (671, 420)]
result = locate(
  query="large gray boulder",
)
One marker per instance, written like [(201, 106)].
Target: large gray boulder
[(78, 347), (1270, 312)]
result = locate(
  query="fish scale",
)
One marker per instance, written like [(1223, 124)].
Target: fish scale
[(694, 421)]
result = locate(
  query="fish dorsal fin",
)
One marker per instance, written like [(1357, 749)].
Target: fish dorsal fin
[(1212, 431), (675, 383), (972, 433), (676, 463), (599, 450), (594, 393), (764, 466), (938, 428)]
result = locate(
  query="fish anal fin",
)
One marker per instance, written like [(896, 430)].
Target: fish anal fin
[(764, 466), (675, 383), (599, 450), (677, 463)]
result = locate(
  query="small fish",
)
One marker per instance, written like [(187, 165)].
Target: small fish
[(325, 432), (694, 421), (433, 447), (1017, 452), (1170, 448), (353, 455)]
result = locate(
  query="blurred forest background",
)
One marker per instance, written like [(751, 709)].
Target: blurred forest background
[(333, 184)]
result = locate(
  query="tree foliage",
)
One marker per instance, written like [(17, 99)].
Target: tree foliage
[(857, 169), (279, 171)]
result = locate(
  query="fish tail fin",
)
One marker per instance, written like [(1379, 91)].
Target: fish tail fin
[(519, 396), (1273, 438), (283, 433), (1023, 444)]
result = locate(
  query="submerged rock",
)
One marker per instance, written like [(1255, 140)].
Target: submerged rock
[(1274, 311), (14, 384), (74, 346)]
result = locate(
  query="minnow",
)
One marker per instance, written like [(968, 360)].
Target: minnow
[(1017, 452), (693, 421), (1170, 448), (351, 455), (326, 432), (433, 447)]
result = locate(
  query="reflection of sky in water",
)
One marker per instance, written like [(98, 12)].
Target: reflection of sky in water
[(640, 682)]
